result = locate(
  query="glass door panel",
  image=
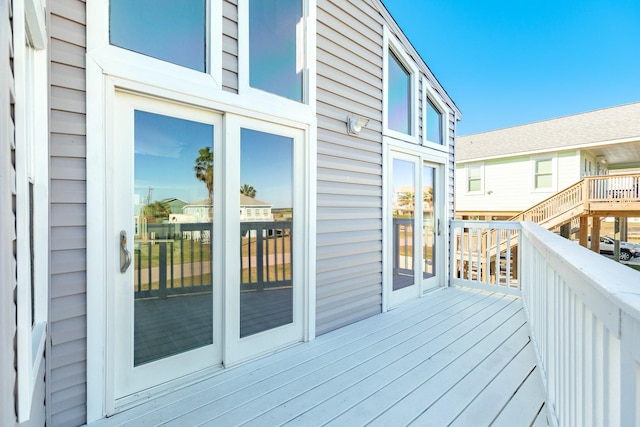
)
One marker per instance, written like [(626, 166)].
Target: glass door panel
[(172, 258), (414, 265), (403, 213), (266, 231), (428, 222), (162, 308)]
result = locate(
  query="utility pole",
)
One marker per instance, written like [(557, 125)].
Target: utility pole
[(149, 191)]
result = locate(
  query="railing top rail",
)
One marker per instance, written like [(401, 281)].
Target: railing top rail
[(572, 187), (616, 283), (559, 194), (495, 224), (605, 177)]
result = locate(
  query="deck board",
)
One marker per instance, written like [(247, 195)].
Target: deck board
[(445, 358)]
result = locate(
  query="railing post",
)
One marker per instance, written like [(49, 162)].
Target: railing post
[(396, 246), (259, 259), (171, 263), (162, 267), (585, 193), (484, 257), (138, 266)]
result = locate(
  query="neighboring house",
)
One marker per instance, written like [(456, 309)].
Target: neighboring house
[(199, 211), (254, 210), (503, 172), (348, 112), (176, 204)]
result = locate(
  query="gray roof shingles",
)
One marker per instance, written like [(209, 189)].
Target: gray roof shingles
[(609, 124)]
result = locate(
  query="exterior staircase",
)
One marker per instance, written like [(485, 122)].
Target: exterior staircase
[(606, 195), (492, 255)]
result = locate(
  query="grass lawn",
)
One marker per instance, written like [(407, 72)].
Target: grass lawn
[(190, 250)]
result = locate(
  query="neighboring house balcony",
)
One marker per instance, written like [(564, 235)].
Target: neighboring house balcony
[(533, 330), (599, 196), (581, 207)]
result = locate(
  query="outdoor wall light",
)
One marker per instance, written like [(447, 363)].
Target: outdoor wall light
[(355, 124)]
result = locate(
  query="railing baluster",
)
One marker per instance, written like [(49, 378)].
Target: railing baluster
[(250, 257), (171, 257), (139, 269), (162, 270), (260, 259), (266, 254), (182, 261), (149, 262)]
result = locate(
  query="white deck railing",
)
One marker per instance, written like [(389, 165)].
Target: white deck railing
[(584, 314), (583, 311), (485, 255)]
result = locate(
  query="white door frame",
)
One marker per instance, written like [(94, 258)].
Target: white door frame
[(419, 155), (128, 381), (100, 133), (239, 349)]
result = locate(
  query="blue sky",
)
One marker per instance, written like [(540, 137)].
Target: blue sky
[(166, 149), (511, 62)]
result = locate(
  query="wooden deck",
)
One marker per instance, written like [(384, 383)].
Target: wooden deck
[(455, 357)]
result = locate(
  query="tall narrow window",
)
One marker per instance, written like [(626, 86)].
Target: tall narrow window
[(172, 31), (31, 198), (543, 174), (276, 47), (434, 123), (398, 96)]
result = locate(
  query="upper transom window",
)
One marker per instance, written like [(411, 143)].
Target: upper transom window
[(398, 96), (169, 30), (276, 47)]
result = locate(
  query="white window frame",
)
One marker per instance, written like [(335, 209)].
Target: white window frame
[(32, 160), (430, 94), (391, 43), (136, 66), (467, 169), (554, 174), (307, 61)]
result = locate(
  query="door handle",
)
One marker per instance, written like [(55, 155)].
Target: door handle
[(125, 256), (439, 227)]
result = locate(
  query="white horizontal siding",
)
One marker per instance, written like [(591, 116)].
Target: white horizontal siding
[(66, 367), (511, 183), (349, 192), (230, 46), (349, 264)]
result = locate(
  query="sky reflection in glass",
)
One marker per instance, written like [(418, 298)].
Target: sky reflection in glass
[(274, 47), (434, 123), (266, 164), (428, 214), (169, 30), (399, 96), (165, 152)]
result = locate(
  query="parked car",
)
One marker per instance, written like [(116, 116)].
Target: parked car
[(627, 250)]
